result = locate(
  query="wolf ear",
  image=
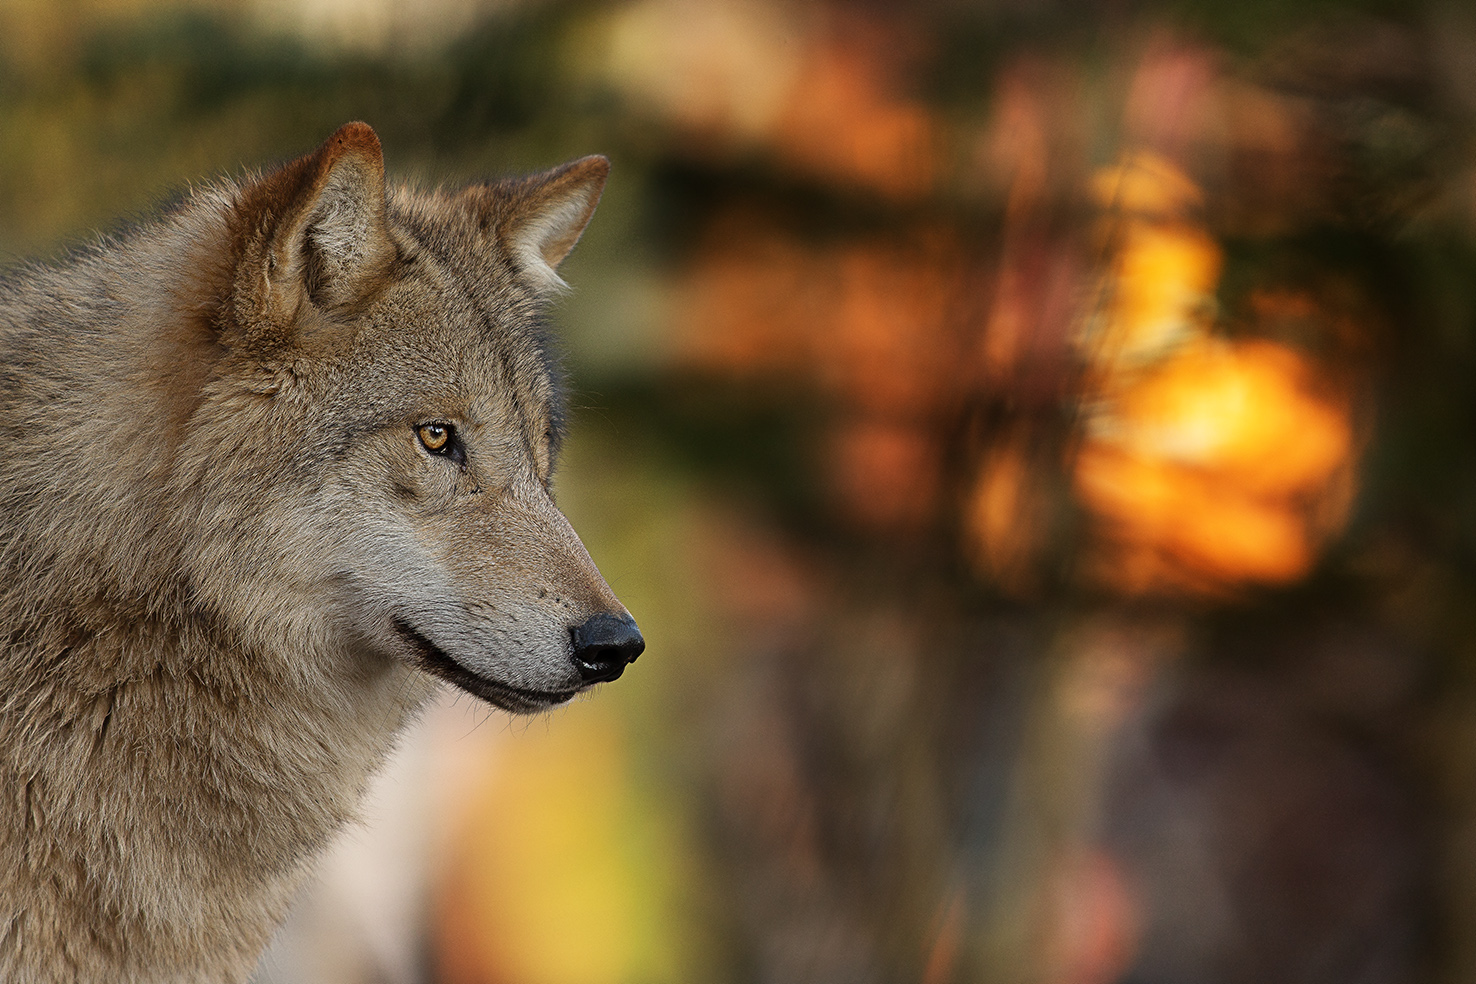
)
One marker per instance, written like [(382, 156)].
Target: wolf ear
[(313, 231), (538, 219)]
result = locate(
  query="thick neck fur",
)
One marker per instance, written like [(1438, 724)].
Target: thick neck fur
[(166, 772)]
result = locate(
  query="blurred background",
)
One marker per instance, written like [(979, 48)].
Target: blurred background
[(1036, 438)]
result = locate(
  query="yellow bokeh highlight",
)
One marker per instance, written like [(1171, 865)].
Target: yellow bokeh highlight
[(1162, 291), (560, 875)]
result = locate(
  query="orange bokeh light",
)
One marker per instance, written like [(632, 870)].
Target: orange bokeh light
[(843, 122), (1216, 463), (885, 473), (1004, 517), (1243, 409), (1209, 463)]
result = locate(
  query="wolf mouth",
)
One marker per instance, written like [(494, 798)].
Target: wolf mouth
[(436, 660)]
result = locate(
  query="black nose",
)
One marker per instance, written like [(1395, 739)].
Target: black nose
[(604, 645)]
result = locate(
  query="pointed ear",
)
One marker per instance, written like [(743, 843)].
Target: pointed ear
[(313, 232), (538, 219)]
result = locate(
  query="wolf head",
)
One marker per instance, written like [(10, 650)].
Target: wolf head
[(371, 460)]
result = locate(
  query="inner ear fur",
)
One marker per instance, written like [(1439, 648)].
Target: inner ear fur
[(538, 219), (312, 232)]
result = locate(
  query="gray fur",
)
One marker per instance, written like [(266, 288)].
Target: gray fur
[(217, 524)]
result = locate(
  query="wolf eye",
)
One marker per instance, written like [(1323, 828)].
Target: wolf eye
[(435, 437)]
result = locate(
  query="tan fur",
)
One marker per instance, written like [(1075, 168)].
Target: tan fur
[(226, 557)]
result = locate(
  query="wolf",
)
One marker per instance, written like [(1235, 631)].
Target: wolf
[(275, 464)]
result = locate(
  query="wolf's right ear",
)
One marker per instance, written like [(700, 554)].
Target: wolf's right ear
[(538, 219), (312, 232)]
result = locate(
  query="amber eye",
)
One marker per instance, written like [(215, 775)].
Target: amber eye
[(435, 437)]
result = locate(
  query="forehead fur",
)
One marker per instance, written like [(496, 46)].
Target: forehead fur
[(477, 303)]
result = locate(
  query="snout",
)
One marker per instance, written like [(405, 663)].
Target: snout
[(605, 645)]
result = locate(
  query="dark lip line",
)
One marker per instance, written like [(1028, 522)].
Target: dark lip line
[(436, 660)]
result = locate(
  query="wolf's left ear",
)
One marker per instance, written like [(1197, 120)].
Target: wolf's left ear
[(540, 218), (314, 232)]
